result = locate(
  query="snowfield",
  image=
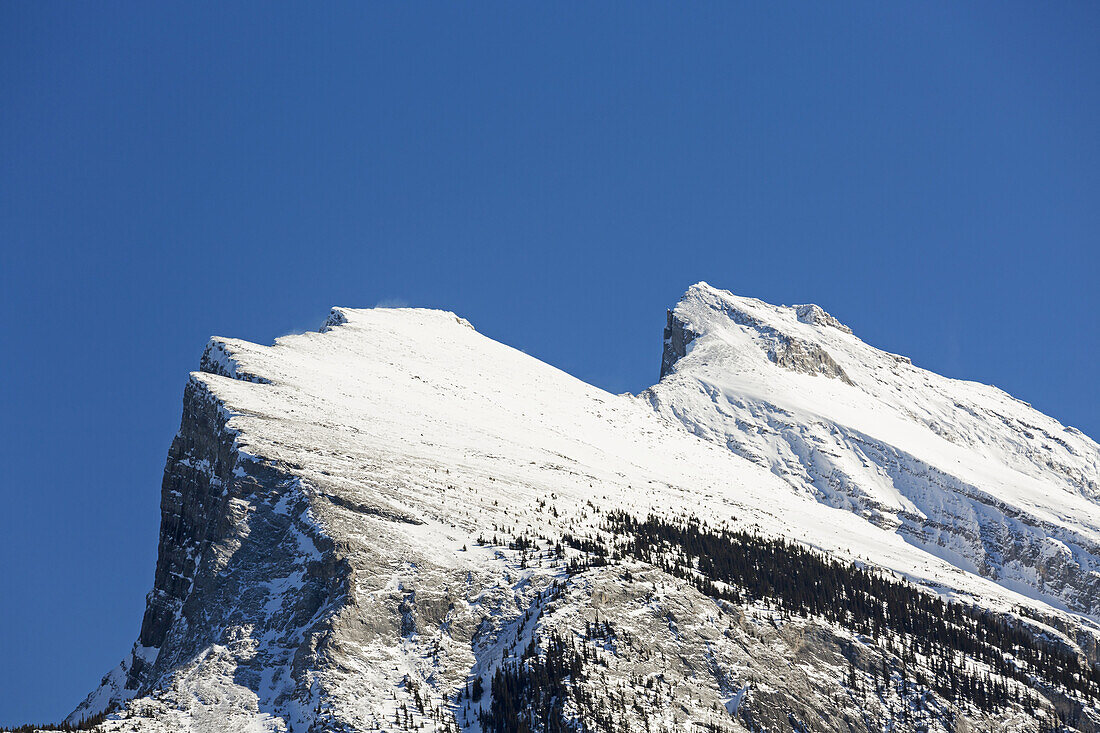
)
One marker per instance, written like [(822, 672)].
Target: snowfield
[(345, 516)]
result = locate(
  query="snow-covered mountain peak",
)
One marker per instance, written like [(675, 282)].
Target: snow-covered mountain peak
[(393, 522), (791, 389), (792, 337), (702, 297)]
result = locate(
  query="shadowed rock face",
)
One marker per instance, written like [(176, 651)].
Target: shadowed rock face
[(194, 501), (677, 338), (240, 565)]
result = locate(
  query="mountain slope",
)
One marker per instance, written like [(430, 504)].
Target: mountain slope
[(960, 469), (363, 527)]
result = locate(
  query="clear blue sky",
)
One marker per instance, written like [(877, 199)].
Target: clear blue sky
[(558, 174)]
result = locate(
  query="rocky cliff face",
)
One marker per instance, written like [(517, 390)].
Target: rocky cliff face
[(677, 339), (397, 523), (243, 572)]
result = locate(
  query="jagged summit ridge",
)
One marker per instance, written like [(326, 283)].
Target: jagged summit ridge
[(960, 469), (776, 327)]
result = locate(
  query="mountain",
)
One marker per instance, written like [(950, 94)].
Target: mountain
[(960, 469), (398, 523)]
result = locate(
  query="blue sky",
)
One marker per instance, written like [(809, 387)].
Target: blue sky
[(558, 174)]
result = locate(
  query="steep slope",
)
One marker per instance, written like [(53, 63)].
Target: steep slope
[(397, 522), (960, 469)]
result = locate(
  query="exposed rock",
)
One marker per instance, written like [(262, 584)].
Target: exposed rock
[(815, 315), (677, 338), (803, 356)]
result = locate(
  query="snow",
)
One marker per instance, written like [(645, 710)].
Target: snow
[(410, 435), (896, 443), (733, 703)]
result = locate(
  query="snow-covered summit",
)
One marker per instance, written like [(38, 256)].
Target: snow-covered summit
[(364, 527), (959, 468)]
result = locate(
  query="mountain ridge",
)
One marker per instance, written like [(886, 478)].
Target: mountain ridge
[(375, 517), (965, 433)]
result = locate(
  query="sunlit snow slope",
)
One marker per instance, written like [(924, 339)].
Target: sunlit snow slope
[(344, 518), (960, 469)]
